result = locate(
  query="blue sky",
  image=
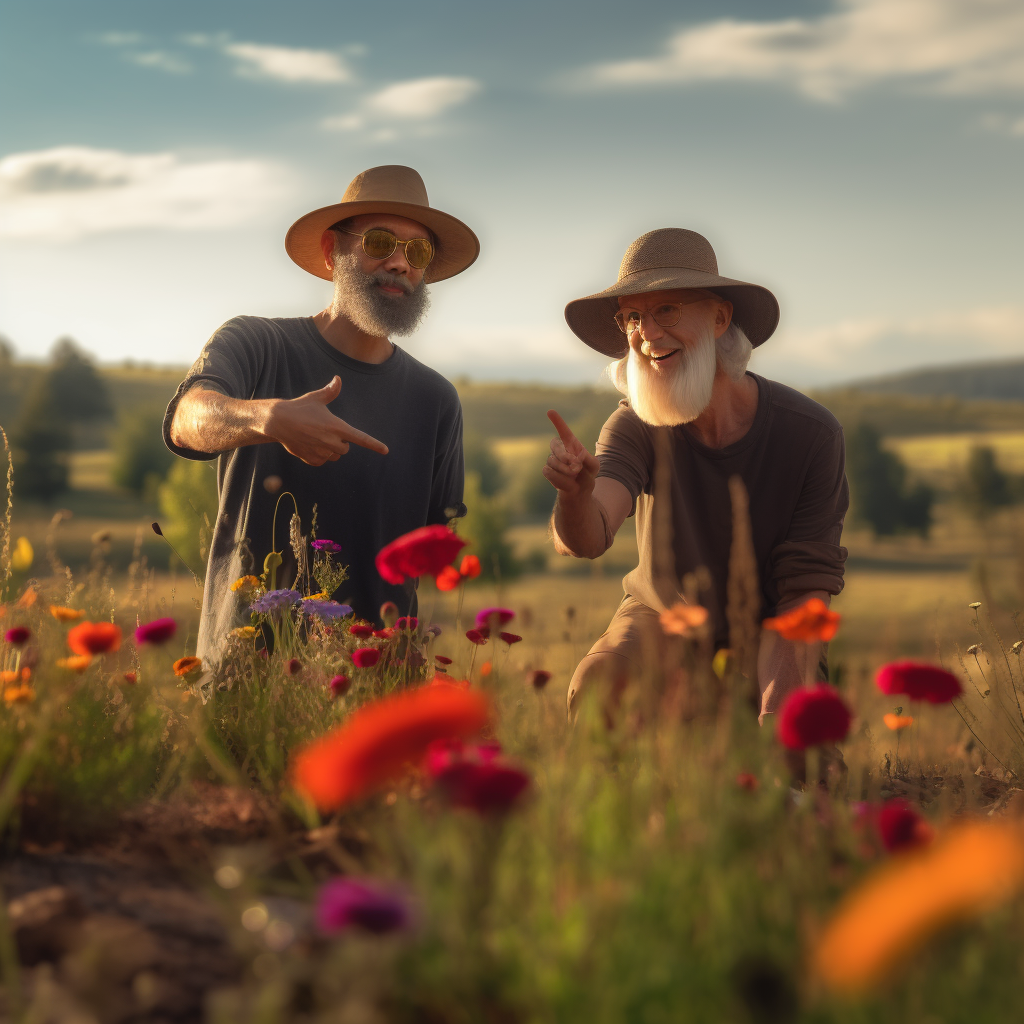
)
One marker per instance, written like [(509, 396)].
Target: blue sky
[(862, 158)]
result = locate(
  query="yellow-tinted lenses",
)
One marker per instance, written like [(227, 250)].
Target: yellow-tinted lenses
[(379, 244)]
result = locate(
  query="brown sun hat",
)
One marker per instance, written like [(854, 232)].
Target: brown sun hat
[(661, 260), (395, 189)]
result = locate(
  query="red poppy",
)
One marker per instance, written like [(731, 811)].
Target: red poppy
[(448, 578), (384, 634), (442, 660), (409, 622), (813, 715), (511, 638), (156, 632), (469, 567), (94, 638), (900, 827), (918, 682), (478, 636), (340, 685), (811, 622), (381, 739), (360, 630), (365, 657), (539, 678), (423, 552)]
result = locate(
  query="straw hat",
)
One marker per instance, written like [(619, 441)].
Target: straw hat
[(388, 189), (661, 260)]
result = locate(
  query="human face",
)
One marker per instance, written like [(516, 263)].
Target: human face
[(661, 346), (396, 263)]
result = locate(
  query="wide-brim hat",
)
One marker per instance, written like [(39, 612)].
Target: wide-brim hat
[(661, 260), (395, 189)]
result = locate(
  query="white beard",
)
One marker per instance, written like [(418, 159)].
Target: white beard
[(666, 399)]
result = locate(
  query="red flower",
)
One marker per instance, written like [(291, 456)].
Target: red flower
[(365, 657), (478, 636), (360, 630), (510, 638), (747, 781), (488, 788), (539, 678), (130, 677), (409, 622), (813, 715), (381, 739), (918, 681), (156, 632), (384, 634), (17, 635), (442, 660), (94, 638), (294, 666), (900, 827), (423, 552), (469, 567), (448, 578), (340, 685), (810, 622)]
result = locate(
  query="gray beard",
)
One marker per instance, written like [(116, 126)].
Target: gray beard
[(358, 298), (666, 400)]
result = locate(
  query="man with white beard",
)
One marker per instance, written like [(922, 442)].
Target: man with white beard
[(682, 335), (327, 408)]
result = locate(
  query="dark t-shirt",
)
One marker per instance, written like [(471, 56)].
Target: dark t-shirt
[(363, 501), (792, 462)]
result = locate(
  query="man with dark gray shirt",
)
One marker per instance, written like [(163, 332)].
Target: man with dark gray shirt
[(327, 407)]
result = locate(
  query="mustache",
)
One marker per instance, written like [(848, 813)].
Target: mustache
[(384, 277)]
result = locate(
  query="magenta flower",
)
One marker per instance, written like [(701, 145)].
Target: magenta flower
[(361, 903), (365, 657), (360, 629), (340, 685), (159, 631), (327, 545), (409, 622), (491, 617), (918, 681), (486, 787), (17, 635), (813, 715)]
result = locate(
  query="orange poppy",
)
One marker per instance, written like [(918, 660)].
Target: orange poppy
[(683, 619), (810, 622), (183, 666), (62, 614), (448, 578), (94, 638), (76, 663), (382, 739), (897, 722), (974, 868), (14, 675), (22, 694)]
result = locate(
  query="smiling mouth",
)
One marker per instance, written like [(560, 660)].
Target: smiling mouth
[(661, 359)]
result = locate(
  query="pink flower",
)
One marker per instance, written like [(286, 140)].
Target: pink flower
[(17, 635), (340, 685), (490, 618), (423, 552), (158, 631), (918, 682), (365, 657), (330, 546), (361, 903), (811, 716)]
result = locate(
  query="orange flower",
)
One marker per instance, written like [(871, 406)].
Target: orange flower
[(897, 722), (22, 694), (62, 614), (448, 578), (76, 663), (381, 739), (682, 619), (810, 622), (469, 567), (28, 598), (974, 868), (183, 666), (94, 638), (14, 675), (486, 668)]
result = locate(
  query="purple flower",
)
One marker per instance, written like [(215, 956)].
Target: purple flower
[(327, 545), (275, 599), (360, 903), (325, 610), (156, 632), (491, 617)]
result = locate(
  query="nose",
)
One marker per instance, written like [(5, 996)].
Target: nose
[(649, 330), (396, 263)]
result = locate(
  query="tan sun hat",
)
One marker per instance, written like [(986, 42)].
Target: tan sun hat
[(661, 260), (388, 189)]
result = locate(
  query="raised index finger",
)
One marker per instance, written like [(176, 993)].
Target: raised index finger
[(567, 436)]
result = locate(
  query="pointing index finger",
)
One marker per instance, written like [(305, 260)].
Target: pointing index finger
[(567, 436)]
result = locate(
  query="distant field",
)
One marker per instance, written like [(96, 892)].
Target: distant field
[(939, 457)]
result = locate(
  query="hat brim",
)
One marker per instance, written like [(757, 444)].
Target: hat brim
[(456, 246), (592, 318)]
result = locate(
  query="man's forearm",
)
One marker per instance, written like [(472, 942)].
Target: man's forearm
[(207, 421), (580, 528)]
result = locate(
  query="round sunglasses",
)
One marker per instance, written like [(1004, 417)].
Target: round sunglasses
[(379, 244)]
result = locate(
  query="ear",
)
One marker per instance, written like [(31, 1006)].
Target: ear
[(723, 317), (327, 248)]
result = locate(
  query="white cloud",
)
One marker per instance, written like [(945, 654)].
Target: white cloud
[(1004, 125), (417, 100), (161, 61), (71, 191), (120, 38), (949, 46), (287, 64)]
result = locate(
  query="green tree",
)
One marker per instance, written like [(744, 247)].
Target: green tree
[(188, 510), (141, 459), (480, 459), (984, 487), (42, 442), (878, 482), (484, 527), (79, 391)]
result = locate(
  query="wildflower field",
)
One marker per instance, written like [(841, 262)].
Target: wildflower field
[(347, 823)]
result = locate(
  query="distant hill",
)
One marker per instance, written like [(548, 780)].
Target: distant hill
[(1000, 381)]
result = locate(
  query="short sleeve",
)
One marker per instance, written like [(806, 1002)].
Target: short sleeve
[(448, 482), (811, 557), (625, 452), (231, 363)]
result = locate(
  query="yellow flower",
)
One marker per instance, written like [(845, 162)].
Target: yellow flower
[(22, 555), (22, 694), (245, 582), (720, 662), (897, 722), (322, 596), (974, 868), (243, 632), (682, 619), (76, 662), (62, 614)]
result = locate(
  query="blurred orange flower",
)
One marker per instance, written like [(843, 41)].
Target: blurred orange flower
[(682, 619), (897, 722), (94, 638), (62, 614), (381, 739), (183, 666), (486, 668), (28, 598), (448, 578), (22, 694), (248, 582), (76, 663), (469, 567), (811, 622), (14, 675), (974, 868)]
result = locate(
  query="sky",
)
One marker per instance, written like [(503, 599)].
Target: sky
[(863, 159)]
